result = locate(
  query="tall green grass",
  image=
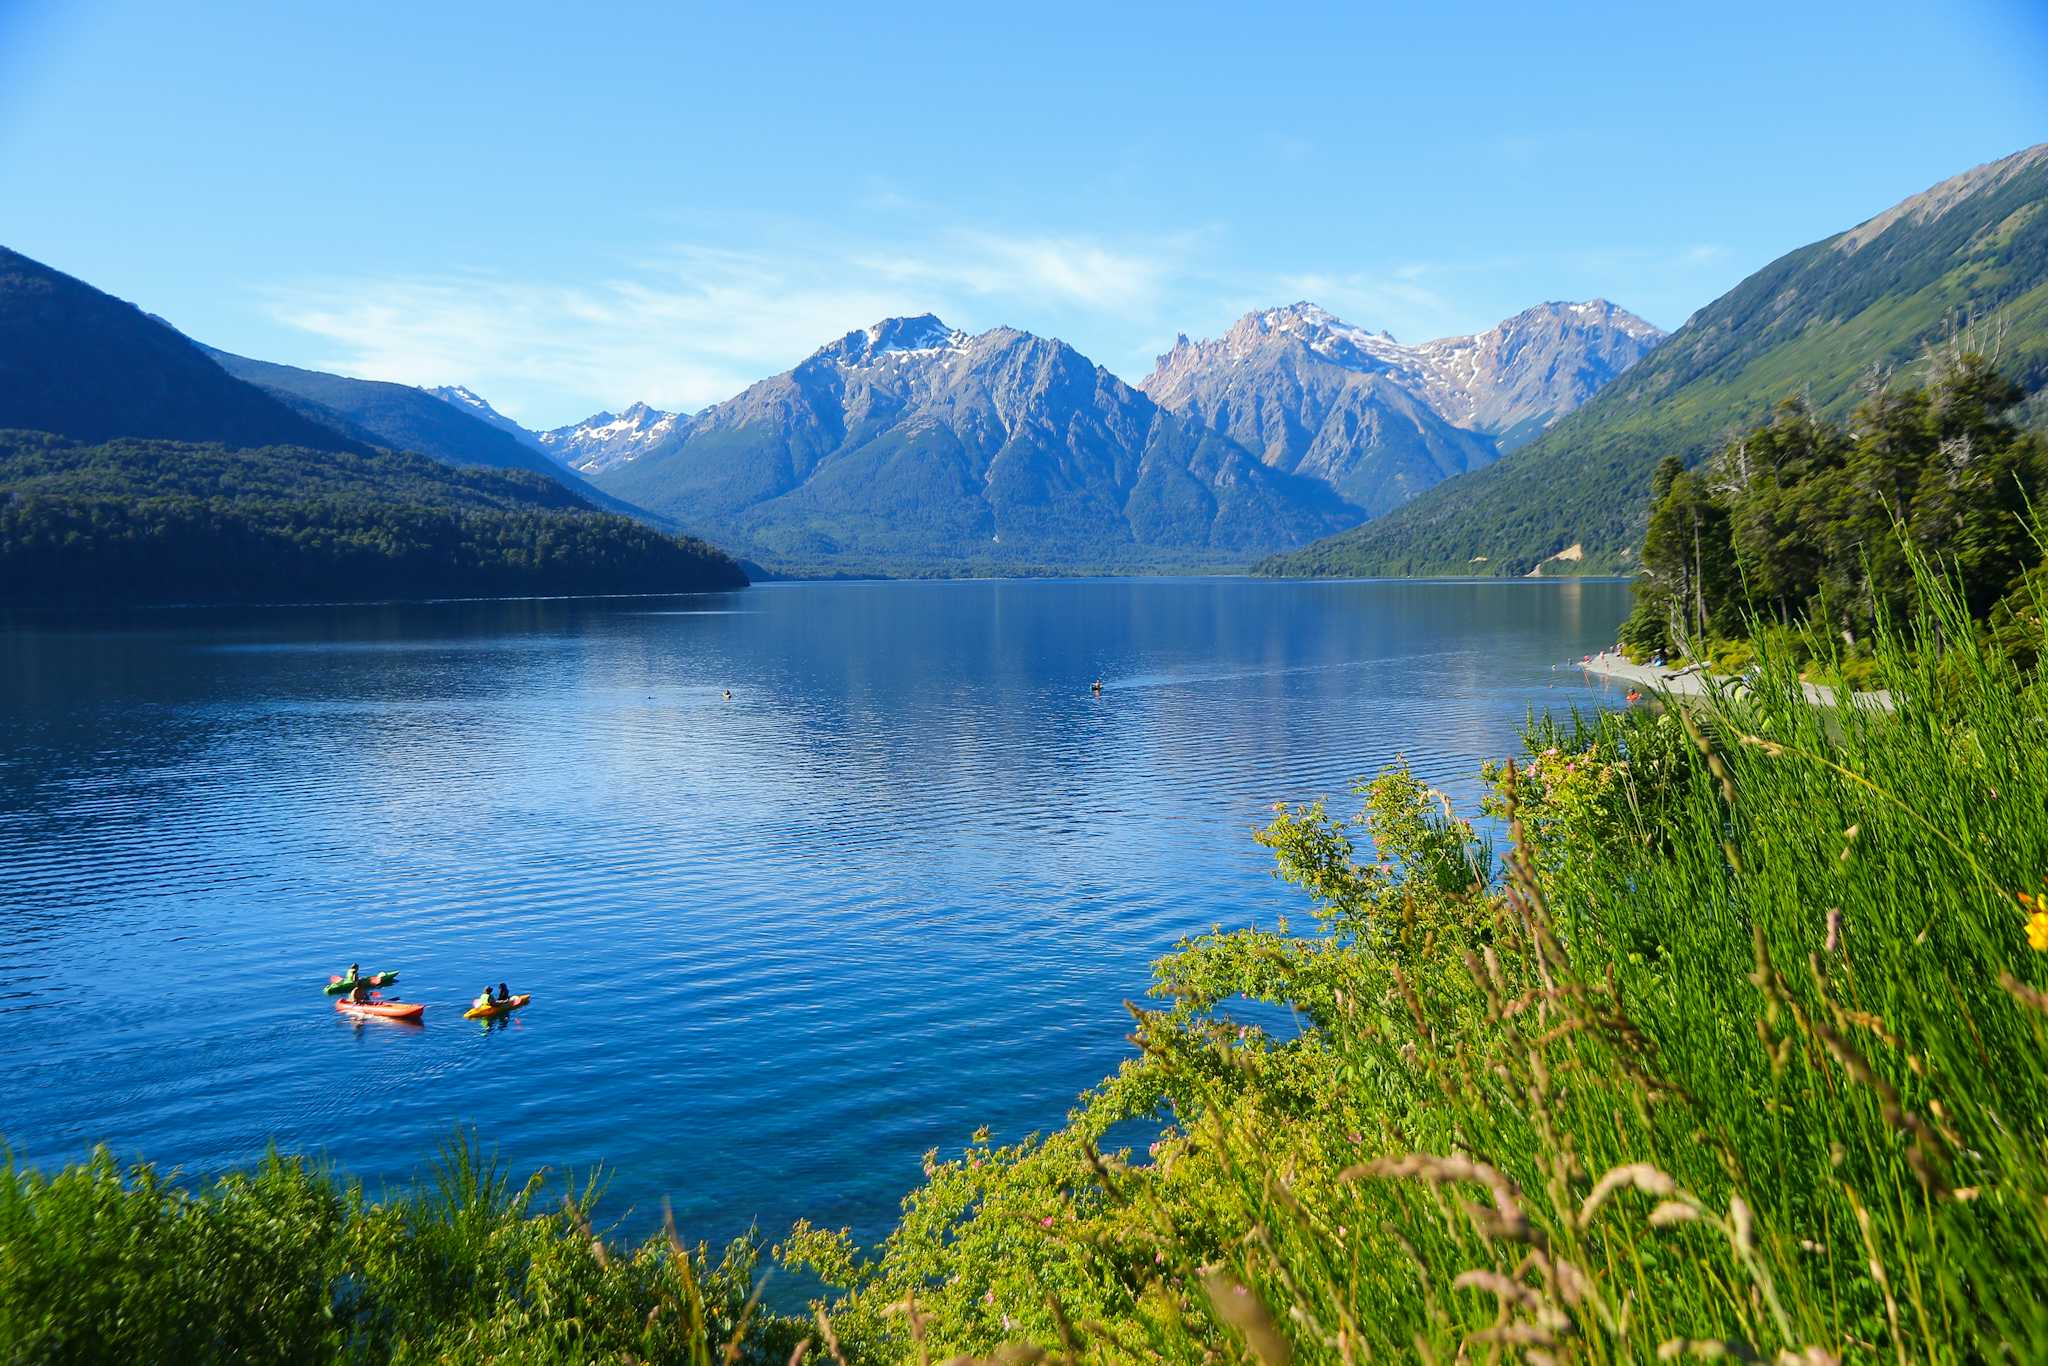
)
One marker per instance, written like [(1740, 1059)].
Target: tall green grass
[(289, 1263)]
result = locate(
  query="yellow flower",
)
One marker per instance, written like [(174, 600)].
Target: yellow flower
[(2036, 908)]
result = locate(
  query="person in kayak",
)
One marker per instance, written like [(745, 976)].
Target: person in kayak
[(354, 982), (482, 1002), (504, 993)]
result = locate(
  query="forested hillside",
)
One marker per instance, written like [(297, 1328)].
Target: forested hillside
[(146, 521), (77, 361), (403, 418)]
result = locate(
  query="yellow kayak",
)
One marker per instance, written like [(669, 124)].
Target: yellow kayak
[(497, 1008)]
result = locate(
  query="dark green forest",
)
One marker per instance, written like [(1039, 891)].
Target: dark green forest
[(1802, 520), (134, 521)]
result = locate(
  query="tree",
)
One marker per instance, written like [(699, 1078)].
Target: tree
[(1767, 479), (1648, 628), (1690, 589)]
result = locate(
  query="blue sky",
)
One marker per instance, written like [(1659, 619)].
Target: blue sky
[(572, 207)]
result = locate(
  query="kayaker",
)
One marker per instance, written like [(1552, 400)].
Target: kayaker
[(504, 993), (354, 983), (482, 1002)]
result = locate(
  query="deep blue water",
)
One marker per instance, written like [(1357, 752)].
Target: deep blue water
[(896, 888)]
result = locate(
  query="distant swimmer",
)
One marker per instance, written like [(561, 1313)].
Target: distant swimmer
[(1097, 688), (728, 694)]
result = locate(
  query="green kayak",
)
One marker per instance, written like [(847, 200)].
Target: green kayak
[(370, 980)]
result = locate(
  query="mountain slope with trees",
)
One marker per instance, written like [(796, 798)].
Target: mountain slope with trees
[(1802, 520), (1969, 255), (402, 418), (80, 362), (136, 521)]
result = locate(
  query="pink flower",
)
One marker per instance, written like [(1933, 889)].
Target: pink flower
[(1047, 1221)]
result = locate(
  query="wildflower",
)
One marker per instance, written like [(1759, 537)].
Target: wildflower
[(2036, 908), (1047, 1221)]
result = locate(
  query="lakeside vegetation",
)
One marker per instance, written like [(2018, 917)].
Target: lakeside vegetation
[(1803, 529), (1736, 1047), (132, 522)]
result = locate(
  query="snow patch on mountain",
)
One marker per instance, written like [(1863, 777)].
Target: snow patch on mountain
[(1539, 364), (470, 401), (607, 439)]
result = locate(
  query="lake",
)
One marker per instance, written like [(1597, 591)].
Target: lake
[(896, 888)]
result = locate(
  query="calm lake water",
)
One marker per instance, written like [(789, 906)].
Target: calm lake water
[(896, 888)]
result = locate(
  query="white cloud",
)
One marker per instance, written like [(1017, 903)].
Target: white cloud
[(681, 333), (1073, 272), (694, 323)]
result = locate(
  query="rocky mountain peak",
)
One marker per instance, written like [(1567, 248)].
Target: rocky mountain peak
[(923, 334), (1380, 420), (606, 439)]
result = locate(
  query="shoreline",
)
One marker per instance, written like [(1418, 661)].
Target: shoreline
[(1689, 683)]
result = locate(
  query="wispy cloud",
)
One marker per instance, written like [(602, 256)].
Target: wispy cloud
[(696, 323), (1075, 272), (680, 333)]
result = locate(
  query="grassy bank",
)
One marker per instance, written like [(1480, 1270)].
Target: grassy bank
[(1735, 1047), (290, 1263)]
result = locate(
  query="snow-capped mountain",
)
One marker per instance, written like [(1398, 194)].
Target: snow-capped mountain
[(473, 403), (1520, 376), (598, 443), (913, 442), (1381, 421)]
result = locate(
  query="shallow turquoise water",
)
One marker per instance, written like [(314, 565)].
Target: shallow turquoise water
[(896, 888)]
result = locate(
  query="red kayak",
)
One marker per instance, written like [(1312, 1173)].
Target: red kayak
[(382, 1010)]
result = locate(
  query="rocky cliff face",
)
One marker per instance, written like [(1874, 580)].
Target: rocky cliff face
[(1519, 377), (910, 440), (1381, 421)]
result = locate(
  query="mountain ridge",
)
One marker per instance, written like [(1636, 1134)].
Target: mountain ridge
[(1381, 421), (913, 440), (1963, 262)]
